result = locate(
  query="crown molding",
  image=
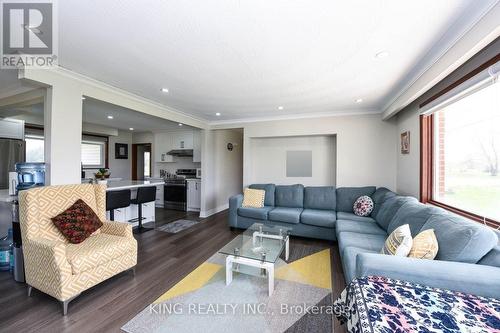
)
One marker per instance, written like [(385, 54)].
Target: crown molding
[(48, 76), (296, 116), (433, 59)]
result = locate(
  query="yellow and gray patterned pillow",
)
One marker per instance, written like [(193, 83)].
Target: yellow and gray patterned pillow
[(425, 245), (399, 242), (253, 198)]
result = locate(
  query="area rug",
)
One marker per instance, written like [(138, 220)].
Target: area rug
[(177, 226), (201, 302)]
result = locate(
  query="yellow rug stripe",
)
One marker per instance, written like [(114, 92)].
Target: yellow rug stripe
[(313, 270), (194, 280)]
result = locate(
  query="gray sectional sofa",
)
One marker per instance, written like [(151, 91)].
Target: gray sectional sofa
[(468, 259)]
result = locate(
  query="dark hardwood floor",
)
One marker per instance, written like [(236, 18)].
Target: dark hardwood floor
[(163, 260)]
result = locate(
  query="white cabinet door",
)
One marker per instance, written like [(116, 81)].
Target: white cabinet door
[(148, 213), (183, 140), (193, 195), (121, 214), (197, 198), (196, 146), (159, 202), (163, 144), (12, 129)]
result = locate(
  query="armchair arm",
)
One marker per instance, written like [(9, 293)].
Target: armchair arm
[(46, 265), (117, 229), (468, 278), (235, 202)]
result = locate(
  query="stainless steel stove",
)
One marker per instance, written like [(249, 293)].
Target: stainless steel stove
[(176, 189)]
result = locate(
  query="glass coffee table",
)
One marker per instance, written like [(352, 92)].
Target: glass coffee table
[(255, 252)]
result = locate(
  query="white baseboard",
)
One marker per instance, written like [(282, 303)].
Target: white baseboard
[(213, 211)]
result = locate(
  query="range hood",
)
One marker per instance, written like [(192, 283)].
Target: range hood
[(181, 152)]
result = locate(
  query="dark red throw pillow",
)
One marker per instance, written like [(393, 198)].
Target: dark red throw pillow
[(77, 222)]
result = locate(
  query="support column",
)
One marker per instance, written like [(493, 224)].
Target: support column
[(63, 134)]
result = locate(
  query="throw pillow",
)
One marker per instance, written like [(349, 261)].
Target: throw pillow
[(363, 206), (253, 198), (425, 245), (399, 242), (77, 222)]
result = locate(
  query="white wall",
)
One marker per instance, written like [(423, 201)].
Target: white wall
[(366, 149), (408, 165), (268, 156), (120, 168), (222, 169)]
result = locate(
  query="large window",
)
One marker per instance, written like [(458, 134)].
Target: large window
[(461, 152), (93, 151)]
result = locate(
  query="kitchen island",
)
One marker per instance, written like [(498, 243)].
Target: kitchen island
[(130, 214)]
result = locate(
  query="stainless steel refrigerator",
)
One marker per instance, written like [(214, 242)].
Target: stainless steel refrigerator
[(11, 152)]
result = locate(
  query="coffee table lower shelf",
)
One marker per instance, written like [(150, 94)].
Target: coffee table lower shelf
[(267, 266)]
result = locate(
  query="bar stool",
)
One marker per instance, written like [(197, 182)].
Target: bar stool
[(144, 194), (117, 199)]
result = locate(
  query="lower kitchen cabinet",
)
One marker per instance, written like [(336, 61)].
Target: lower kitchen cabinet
[(194, 195), (131, 213)]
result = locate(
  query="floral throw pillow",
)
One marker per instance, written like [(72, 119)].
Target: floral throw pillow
[(363, 206), (77, 222)]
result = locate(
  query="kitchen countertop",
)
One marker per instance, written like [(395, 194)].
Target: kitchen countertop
[(131, 184), (5, 197)]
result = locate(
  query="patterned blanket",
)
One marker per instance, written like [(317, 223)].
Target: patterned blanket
[(377, 304)]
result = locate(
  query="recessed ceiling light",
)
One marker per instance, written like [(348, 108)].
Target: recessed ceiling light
[(83, 98), (131, 128), (110, 117), (381, 54), (217, 114), (359, 100), (165, 90), (180, 124), (280, 107)]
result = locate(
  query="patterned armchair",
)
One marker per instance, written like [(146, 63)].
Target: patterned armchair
[(59, 268)]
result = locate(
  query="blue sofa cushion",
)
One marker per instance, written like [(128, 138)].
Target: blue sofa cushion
[(346, 196), (320, 197), (364, 241), (379, 197), (318, 217), (354, 217), (359, 227), (349, 261), (460, 239), (389, 209), (269, 188), (285, 214), (491, 258), (289, 196), (415, 214), (255, 213)]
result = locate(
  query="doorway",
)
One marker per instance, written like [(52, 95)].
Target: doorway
[(141, 161)]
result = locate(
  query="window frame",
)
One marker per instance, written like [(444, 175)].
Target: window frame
[(32, 137), (427, 154), (102, 146)]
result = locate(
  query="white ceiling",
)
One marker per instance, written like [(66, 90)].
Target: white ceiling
[(246, 58), (97, 112)]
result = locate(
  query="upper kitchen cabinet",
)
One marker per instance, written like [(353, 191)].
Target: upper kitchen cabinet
[(177, 140), (182, 140), (162, 145), (12, 129), (197, 146)]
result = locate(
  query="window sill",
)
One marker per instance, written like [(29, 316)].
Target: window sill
[(466, 214)]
